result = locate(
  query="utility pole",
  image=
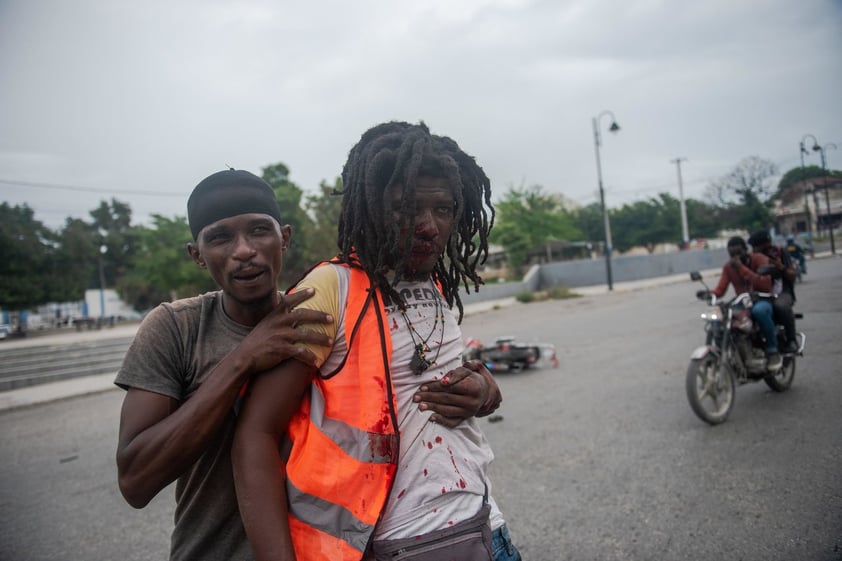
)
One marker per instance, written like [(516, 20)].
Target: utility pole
[(685, 236), (597, 142)]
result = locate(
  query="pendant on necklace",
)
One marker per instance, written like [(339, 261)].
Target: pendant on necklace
[(419, 362)]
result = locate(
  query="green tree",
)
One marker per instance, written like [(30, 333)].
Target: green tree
[(324, 209), (162, 270), (646, 223), (658, 220), (799, 174), (527, 218), (25, 251), (40, 266), (703, 219), (589, 221), (745, 193), (76, 260), (112, 222), (297, 259)]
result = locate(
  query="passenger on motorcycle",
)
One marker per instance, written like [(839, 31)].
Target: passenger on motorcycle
[(784, 278), (740, 271)]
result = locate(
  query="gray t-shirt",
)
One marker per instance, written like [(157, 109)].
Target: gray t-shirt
[(175, 349)]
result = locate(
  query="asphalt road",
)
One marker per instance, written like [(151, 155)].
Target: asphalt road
[(601, 458)]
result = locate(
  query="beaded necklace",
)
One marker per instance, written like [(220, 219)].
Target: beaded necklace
[(419, 362)]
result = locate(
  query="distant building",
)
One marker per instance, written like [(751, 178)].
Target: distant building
[(810, 206), (106, 303), (98, 305)]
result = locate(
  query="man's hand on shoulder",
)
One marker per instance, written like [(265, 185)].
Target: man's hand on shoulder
[(464, 392), (282, 335)]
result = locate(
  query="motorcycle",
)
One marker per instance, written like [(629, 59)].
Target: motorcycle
[(796, 254), (507, 354), (733, 354)]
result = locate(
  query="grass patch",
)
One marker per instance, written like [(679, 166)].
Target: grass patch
[(561, 293), (554, 293)]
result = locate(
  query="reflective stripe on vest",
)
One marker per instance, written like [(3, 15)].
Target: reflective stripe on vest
[(366, 446), (344, 442), (328, 518)]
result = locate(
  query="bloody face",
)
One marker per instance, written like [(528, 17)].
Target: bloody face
[(435, 210)]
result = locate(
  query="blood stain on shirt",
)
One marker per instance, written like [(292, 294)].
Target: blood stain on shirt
[(453, 461)]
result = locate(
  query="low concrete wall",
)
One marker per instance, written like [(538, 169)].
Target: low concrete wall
[(497, 291), (629, 268), (591, 272)]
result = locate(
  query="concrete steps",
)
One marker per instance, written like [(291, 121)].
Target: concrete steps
[(32, 365)]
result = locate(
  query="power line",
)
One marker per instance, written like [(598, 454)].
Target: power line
[(61, 187)]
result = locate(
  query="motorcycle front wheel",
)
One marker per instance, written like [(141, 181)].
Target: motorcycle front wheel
[(781, 380), (710, 390)]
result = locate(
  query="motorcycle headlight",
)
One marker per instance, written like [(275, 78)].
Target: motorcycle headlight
[(710, 316)]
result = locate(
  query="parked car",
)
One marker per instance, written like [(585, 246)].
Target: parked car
[(4, 330)]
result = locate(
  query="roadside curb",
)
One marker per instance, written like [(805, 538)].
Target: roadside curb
[(54, 391)]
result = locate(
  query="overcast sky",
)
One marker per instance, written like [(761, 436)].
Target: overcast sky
[(141, 100)]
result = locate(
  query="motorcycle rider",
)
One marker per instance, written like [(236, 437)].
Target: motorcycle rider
[(741, 271), (797, 253), (784, 275)]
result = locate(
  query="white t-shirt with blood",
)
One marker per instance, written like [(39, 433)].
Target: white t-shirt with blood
[(442, 474)]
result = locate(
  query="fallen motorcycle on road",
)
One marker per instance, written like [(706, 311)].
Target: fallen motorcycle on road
[(733, 354), (509, 355)]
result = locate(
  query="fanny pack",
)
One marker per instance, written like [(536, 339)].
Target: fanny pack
[(469, 540)]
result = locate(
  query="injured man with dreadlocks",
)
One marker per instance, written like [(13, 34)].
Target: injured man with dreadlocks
[(366, 468)]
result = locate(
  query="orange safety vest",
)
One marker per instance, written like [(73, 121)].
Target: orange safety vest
[(344, 440)]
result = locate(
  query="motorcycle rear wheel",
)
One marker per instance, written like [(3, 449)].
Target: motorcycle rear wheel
[(710, 390), (781, 380)]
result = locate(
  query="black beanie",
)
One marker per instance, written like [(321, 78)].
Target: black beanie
[(229, 193)]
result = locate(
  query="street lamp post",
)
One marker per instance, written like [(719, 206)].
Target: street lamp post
[(685, 234), (606, 224), (102, 250), (821, 150), (815, 147), (803, 151)]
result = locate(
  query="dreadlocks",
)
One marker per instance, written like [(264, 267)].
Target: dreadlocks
[(397, 153)]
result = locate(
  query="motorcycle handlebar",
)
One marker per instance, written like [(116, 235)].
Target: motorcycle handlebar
[(751, 296)]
